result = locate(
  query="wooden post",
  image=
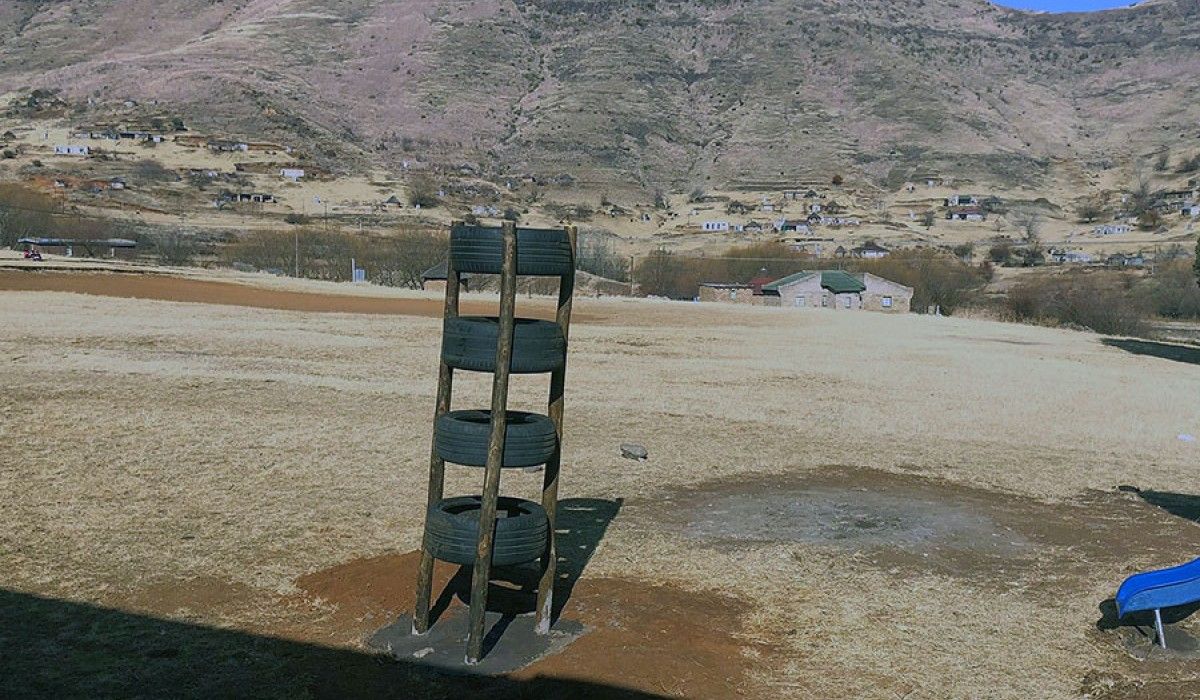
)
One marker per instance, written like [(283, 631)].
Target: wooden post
[(437, 466), (558, 380), (495, 454)]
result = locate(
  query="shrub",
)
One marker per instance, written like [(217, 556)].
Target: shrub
[(1091, 301)]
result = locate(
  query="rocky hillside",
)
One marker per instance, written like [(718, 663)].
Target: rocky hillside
[(748, 94)]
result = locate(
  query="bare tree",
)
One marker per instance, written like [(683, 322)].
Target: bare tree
[(422, 191), (1028, 222), (1090, 209)]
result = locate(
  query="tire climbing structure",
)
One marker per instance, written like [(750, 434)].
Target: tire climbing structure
[(489, 529)]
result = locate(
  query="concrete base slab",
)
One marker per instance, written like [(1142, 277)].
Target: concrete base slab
[(510, 643)]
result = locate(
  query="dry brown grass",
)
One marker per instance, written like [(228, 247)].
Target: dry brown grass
[(150, 441)]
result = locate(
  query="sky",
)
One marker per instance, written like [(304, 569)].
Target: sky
[(1064, 5)]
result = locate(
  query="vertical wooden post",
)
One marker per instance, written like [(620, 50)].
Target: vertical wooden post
[(437, 466), (495, 454), (558, 380)]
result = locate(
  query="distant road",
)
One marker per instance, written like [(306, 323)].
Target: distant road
[(182, 289)]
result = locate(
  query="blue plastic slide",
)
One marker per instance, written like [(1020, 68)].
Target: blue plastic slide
[(1155, 590)]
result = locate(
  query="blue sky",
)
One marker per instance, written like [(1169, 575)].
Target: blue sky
[(1064, 5)]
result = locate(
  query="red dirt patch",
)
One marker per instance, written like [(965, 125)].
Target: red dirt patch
[(183, 289), (656, 639)]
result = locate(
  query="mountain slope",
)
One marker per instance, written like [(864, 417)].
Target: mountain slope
[(738, 93)]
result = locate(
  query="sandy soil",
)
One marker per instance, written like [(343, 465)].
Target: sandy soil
[(255, 470)]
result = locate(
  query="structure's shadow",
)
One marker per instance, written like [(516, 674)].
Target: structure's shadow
[(53, 648), (1178, 504), (581, 524), (1143, 620), (1167, 351)]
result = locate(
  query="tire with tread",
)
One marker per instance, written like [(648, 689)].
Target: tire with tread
[(469, 342), (452, 530), (480, 249), (462, 437)]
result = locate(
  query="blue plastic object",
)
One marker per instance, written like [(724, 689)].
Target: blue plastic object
[(1153, 590)]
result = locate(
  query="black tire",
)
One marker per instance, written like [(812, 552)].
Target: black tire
[(469, 342), (462, 437), (452, 530), (540, 251)]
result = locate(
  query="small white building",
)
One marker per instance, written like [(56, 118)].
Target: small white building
[(1068, 257), (293, 174), (1111, 229), (1192, 210), (715, 225), (71, 150)]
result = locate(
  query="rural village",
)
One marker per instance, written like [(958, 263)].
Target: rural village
[(581, 349)]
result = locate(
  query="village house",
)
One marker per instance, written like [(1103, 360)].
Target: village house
[(792, 226), (715, 292), (967, 213), (870, 250), (1192, 210), (221, 146), (293, 174), (715, 225), (838, 289), (1111, 229), (960, 200), (1124, 260), (753, 227), (813, 246), (1067, 257), (71, 150), (434, 279), (96, 131), (255, 197)]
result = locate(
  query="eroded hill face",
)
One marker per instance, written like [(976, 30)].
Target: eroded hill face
[(725, 93)]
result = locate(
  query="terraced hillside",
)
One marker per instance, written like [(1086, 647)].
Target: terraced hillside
[(721, 93)]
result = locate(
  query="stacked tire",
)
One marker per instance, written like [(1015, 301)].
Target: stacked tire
[(522, 529)]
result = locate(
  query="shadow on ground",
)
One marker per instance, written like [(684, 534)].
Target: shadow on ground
[(1178, 504), (581, 524), (55, 648), (1167, 351)]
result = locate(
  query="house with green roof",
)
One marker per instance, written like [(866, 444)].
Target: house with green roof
[(838, 289)]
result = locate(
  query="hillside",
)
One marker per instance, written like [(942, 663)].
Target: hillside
[(730, 94)]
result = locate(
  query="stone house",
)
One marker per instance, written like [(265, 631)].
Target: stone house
[(730, 294), (840, 290)]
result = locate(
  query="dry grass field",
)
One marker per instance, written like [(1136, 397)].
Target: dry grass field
[(835, 504)]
